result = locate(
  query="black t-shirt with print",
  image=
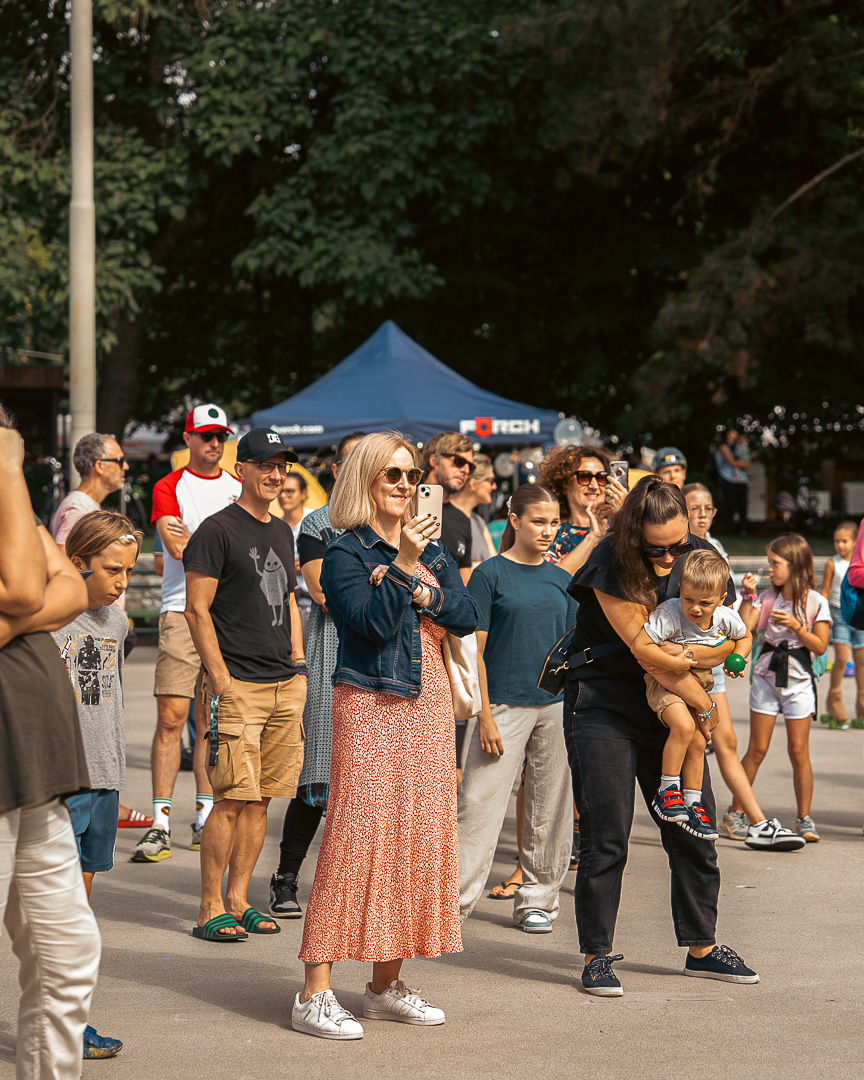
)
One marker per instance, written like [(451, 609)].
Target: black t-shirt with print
[(456, 535), (600, 572), (254, 565)]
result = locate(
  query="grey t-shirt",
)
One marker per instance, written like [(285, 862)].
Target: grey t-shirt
[(667, 622), (92, 649)]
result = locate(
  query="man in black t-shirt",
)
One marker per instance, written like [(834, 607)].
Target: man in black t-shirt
[(243, 616), (448, 460)]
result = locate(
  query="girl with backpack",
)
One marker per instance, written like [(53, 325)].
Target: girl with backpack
[(793, 622)]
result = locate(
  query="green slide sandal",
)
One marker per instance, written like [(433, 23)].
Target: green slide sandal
[(251, 920), (210, 930)]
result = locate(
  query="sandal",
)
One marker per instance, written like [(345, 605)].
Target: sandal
[(136, 820), (251, 920), (505, 885), (210, 930)]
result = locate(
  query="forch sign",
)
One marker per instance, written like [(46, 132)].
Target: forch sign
[(485, 426)]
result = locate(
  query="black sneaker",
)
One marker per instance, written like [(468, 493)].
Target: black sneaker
[(574, 851), (283, 897), (669, 806), (721, 963), (698, 823), (599, 978)]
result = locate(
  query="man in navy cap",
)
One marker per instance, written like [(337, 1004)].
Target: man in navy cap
[(671, 465), (243, 616)]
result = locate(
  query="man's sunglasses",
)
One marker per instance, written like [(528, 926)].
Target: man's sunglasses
[(461, 462), (675, 550), (585, 476), (209, 436), (393, 475), (121, 461)]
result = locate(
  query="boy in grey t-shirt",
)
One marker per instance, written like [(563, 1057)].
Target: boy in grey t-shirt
[(680, 697)]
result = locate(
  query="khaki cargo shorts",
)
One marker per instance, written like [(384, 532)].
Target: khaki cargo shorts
[(659, 698), (260, 739), (178, 665)]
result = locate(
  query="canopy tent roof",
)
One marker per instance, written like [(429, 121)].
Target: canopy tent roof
[(392, 382)]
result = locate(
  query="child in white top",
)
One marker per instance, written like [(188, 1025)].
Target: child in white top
[(796, 627), (845, 639), (681, 700)]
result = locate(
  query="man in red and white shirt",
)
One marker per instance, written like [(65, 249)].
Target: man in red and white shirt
[(181, 501)]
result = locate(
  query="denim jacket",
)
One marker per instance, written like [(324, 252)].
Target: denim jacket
[(379, 629)]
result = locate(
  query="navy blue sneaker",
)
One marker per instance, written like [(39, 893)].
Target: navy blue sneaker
[(721, 963), (669, 806), (99, 1046), (599, 978), (698, 823)]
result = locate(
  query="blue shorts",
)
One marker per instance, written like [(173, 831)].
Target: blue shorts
[(842, 633), (94, 822)]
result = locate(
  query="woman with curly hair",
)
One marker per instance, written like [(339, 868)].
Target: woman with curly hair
[(587, 495)]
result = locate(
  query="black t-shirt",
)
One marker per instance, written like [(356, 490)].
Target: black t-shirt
[(254, 565), (456, 535), (593, 628)]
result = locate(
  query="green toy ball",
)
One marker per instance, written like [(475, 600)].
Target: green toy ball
[(735, 663)]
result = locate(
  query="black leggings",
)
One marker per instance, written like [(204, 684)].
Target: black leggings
[(298, 832)]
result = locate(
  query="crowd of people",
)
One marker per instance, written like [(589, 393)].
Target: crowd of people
[(596, 640)]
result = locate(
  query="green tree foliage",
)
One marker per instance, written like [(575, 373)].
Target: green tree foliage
[(645, 212)]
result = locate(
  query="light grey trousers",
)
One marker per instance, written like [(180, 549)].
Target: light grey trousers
[(485, 793)]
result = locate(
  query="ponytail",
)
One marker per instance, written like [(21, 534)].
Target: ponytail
[(523, 498)]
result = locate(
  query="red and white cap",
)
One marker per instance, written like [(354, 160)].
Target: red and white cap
[(207, 418)]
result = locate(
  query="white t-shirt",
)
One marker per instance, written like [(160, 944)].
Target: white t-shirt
[(192, 498), (667, 622), (840, 568), (76, 505), (774, 634)]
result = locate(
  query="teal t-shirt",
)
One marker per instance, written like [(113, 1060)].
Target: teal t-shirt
[(524, 610)]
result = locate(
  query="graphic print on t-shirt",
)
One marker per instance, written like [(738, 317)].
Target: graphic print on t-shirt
[(90, 662), (274, 583)]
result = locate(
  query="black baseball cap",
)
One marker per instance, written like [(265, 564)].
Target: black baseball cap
[(261, 443)]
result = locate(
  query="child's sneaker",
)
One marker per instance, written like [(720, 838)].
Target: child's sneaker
[(721, 963), (99, 1046), (669, 805), (736, 824), (598, 977), (804, 827), (154, 846), (698, 823), (771, 835)]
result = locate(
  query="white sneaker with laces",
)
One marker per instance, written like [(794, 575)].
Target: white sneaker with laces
[(322, 1015), (772, 836), (399, 1003)]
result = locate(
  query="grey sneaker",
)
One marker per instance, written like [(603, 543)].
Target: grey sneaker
[(804, 827), (735, 822), (195, 845), (154, 846)]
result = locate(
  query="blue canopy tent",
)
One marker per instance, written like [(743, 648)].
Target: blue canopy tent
[(391, 382)]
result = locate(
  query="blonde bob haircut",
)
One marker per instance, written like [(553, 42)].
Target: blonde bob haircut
[(707, 571), (91, 534), (351, 503)]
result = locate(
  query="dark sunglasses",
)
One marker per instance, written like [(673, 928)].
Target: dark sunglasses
[(460, 462), (209, 436), (585, 476), (121, 461), (676, 550), (394, 475)]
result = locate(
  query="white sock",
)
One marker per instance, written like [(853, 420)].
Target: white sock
[(691, 796), (161, 813), (203, 806), (669, 781)]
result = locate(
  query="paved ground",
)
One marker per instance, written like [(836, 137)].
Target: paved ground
[(514, 1004)]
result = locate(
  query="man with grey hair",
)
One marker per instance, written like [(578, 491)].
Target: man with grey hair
[(102, 468)]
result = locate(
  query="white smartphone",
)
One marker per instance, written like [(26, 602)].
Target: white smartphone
[(621, 472), (430, 500)]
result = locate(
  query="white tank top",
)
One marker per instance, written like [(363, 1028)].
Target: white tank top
[(840, 568)]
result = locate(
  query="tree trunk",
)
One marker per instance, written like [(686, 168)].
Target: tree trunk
[(118, 382)]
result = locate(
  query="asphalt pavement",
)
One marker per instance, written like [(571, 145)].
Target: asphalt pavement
[(514, 1003)]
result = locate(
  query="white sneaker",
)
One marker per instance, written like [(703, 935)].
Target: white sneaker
[(771, 835), (399, 1003), (322, 1015)]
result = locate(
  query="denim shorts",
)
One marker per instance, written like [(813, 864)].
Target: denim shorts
[(842, 633), (94, 822)]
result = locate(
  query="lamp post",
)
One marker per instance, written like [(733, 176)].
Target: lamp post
[(82, 233)]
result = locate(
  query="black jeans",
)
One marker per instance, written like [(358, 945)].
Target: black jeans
[(734, 505), (613, 738), (298, 832)]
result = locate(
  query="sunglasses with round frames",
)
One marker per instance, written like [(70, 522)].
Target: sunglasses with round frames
[(209, 436), (584, 477), (393, 475), (461, 462), (654, 551), (282, 467), (121, 461)]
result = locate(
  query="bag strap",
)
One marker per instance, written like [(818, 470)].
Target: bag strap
[(768, 599)]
